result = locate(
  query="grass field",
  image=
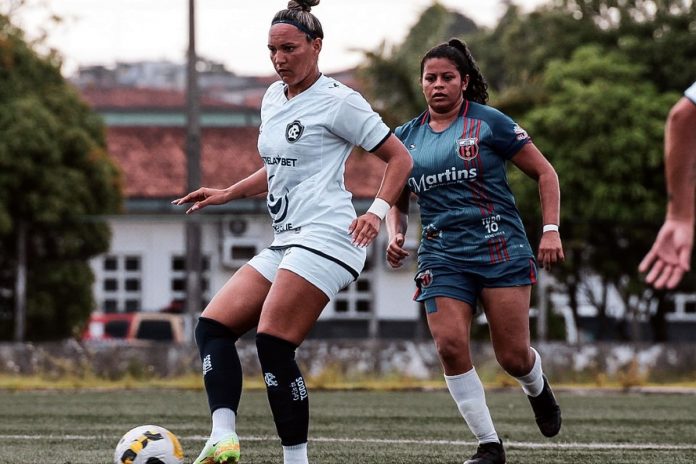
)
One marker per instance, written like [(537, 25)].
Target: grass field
[(354, 426)]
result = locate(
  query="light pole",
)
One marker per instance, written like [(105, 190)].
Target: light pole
[(193, 150)]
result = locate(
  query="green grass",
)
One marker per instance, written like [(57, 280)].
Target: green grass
[(67, 426)]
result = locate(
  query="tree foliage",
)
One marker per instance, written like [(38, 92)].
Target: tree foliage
[(56, 178)]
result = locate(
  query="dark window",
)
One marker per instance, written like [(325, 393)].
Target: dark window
[(341, 306), (132, 306), (178, 263), (205, 263), (178, 285), (132, 263), (364, 306), (110, 263), (155, 330), (132, 285), (110, 306), (363, 285), (690, 307), (110, 285)]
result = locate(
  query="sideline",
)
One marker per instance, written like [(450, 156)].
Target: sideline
[(508, 444)]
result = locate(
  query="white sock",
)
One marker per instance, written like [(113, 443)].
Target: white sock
[(296, 454), (467, 391), (224, 423), (533, 383)]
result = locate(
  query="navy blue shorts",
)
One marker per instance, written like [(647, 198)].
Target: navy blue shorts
[(465, 283)]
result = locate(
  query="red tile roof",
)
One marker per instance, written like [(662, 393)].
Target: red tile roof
[(153, 161), (135, 98)]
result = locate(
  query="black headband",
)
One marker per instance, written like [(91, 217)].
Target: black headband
[(298, 25)]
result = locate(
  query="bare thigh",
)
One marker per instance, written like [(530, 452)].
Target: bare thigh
[(507, 311), (239, 302), (450, 326), (292, 307)]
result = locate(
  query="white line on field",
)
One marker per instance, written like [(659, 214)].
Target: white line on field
[(508, 444)]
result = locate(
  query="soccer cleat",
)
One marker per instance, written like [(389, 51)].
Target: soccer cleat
[(547, 413), (488, 453), (224, 451)]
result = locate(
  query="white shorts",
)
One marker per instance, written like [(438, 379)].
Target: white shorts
[(325, 274)]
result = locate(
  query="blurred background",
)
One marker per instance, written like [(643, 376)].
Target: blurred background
[(109, 112)]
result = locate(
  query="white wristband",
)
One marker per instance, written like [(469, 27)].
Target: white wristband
[(379, 208), (550, 228)]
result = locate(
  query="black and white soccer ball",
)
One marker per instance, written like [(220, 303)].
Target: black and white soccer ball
[(149, 444)]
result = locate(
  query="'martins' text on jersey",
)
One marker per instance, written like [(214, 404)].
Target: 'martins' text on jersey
[(304, 143), (468, 211)]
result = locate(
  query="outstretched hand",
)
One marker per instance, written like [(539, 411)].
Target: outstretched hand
[(669, 258), (203, 197)]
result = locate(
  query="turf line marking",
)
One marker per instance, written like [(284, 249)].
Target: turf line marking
[(508, 444)]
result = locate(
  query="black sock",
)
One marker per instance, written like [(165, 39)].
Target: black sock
[(222, 371), (287, 392)]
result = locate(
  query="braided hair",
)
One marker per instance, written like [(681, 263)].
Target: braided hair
[(298, 14), (458, 53)]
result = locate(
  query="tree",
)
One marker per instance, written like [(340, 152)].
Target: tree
[(391, 74), (602, 129), (57, 179)]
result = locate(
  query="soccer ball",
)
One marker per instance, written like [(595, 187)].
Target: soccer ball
[(149, 444)]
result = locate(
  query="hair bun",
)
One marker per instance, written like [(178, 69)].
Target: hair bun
[(304, 5)]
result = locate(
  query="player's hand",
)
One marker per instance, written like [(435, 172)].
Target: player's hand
[(396, 252), (550, 249), (670, 256), (202, 197), (364, 229)]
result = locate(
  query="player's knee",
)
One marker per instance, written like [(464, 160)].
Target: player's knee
[(274, 351), (515, 362), (209, 329), (451, 350)]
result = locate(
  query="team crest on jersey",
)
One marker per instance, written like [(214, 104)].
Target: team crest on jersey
[(467, 148), (294, 131)]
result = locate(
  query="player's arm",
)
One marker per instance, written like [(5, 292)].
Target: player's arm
[(533, 163), (365, 228), (255, 184), (397, 224), (680, 160), (670, 256)]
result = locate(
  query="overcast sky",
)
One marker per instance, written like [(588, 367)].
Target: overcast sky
[(233, 32)]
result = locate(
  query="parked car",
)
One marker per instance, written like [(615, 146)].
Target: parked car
[(130, 327)]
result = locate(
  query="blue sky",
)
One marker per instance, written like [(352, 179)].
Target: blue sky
[(229, 31)]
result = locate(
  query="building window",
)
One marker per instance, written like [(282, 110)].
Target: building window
[(355, 301), (178, 280), (121, 283)]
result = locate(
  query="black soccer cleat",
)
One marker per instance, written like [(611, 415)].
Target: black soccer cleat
[(547, 413), (488, 453)]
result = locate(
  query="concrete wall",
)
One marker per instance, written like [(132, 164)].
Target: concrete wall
[(354, 359)]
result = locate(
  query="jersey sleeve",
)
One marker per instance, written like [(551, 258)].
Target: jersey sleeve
[(508, 136), (690, 93), (356, 122)]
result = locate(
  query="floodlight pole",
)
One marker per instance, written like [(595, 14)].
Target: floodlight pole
[(193, 150)]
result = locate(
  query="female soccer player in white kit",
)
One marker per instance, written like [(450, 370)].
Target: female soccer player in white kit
[(309, 125)]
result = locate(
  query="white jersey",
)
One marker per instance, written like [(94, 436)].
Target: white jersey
[(690, 93), (304, 143)]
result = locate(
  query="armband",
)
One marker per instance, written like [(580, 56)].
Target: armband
[(550, 228)]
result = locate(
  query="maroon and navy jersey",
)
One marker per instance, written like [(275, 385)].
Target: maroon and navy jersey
[(468, 211)]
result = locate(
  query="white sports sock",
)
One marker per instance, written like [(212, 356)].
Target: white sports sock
[(224, 422), (467, 391), (533, 383), (296, 454)]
